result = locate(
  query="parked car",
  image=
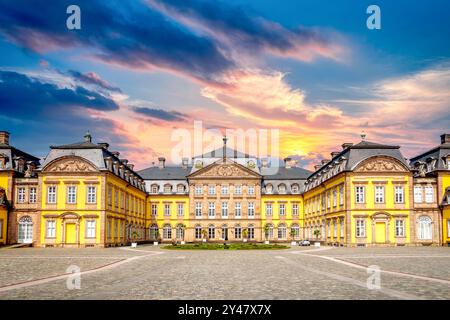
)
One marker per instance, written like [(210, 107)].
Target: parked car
[(305, 243)]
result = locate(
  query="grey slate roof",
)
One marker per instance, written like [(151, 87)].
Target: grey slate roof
[(437, 153), (293, 173), (11, 152), (354, 154), (166, 173), (230, 153)]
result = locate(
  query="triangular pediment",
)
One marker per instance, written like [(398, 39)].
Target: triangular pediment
[(227, 169)]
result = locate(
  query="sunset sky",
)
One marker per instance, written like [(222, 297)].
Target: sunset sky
[(138, 70)]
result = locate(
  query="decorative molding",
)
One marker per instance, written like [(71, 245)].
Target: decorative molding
[(70, 165), (380, 164)]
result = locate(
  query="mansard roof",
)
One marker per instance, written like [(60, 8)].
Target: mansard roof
[(283, 173), (229, 153), (166, 173), (438, 153)]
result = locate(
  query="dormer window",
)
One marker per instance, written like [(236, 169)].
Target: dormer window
[(154, 188), (269, 188), (295, 188), (167, 188), (282, 188)]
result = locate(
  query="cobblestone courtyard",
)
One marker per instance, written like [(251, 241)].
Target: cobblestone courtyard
[(149, 272)]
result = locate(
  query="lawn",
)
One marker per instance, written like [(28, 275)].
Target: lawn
[(220, 246)]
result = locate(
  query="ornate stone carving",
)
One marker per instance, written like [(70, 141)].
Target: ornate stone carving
[(71, 165), (380, 164), (225, 170)]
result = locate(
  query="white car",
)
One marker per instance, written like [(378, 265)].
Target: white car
[(305, 243)]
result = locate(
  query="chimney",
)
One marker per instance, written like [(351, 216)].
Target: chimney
[(287, 162), (104, 145), (4, 137), (162, 162), (224, 148), (445, 138), (346, 145), (184, 163), (317, 167), (116, 153), (264, 163), (334, 154)]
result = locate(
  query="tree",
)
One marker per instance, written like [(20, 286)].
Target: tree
[(266, 231), (316, 233)]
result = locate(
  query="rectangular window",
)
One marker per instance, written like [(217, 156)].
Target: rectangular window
[(359, 194), (224, 209), (51, 194), (251, 209), (211, 209), (167, 209), (198, 190), (341, 195), (198, 209), (91, 194), (334, 198), (399, 194), (238, 189), (180, 209), (335, 228), (90, 228), (269, 209), (154, 209), (51, 228), (109, 196), (328, 200), (224, 190), (379, 194), (237, 232), (341, 227), (399, 228), (109, 229), (198, 232), (116, 229), (429, 190), (33, 195), (282, 209), (251, 190), (295, 209), (418, 194), (360, 228), (20, 195), (237, 210), (212, 189), (116, 198), (328, 229)]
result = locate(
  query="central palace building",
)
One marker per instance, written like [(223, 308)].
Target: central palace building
[(84, 195)]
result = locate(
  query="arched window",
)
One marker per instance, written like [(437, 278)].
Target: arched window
[(425, 228), (211, 232), (153, 232), (224, 234), (282, 235), (295, 231), (167, 231), (25, 230), (198, 232), (154, 188), (167, 188), (180, 188), (180, 231), (295, 188), (251, 231), (237, 232), (269, 231), (282, 188), (269, 188)]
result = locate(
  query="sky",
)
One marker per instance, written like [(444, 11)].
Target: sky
[(139, 73)]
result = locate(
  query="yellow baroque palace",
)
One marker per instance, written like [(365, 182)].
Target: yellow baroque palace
[(84, 195)]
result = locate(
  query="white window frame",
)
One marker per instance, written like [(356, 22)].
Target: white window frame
[(198, 209), (51, 194), (418, 196), (224, 210), (180, 209), (51, 229), (154, 209), (360, 194), (251, 210), (212, 190), (399, 194), (237, 210), (198, 190), (21, 195), (269, 209), (295, 211), (90, 229), (71, 195), (334, 198), (341, 195), (360, 228), (238, 189), (429, 194), (400, 228), (224, 190), (425, 234), (91, 194), (282, 209), (211, 210), (379, 194), (167, 209), (251, 190)]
